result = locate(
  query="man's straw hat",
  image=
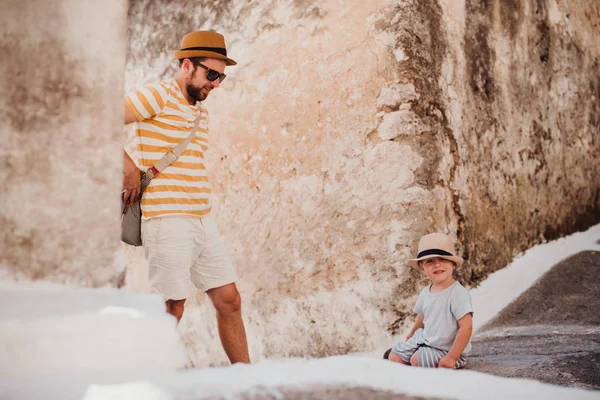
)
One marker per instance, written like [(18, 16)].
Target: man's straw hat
[(436, 245), (204, 44)]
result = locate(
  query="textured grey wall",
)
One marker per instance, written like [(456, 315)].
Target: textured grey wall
[(522, 100), (61, 80)]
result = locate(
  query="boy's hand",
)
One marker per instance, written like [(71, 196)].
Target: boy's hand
[(447, 362), (409, 336)]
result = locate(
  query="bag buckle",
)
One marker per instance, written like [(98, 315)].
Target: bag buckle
[(171, 157), (151, 173)]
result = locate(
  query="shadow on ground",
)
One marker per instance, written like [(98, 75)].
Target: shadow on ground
[(551, 333), (331, 393)]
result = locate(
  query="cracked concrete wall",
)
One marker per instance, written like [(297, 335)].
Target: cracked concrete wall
[(349, 130), (61, 78)]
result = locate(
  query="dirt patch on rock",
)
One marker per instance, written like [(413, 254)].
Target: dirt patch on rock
[(568, 294), (551, 333), (330, 393)]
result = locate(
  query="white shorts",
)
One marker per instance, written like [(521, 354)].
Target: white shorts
[(181, 251)]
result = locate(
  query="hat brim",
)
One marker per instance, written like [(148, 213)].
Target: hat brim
[(414, 262), (179, 54)]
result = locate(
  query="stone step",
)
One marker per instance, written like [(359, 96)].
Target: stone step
[(51, 329)]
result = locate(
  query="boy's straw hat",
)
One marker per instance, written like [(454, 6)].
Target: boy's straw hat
[(436, 245), (204, 44)]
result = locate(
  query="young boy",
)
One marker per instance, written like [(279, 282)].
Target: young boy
[(442, 331)]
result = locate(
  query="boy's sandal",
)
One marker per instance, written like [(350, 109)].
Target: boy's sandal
[(386, 355)]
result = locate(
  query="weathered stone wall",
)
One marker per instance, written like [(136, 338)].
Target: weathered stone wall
[(61, 81), (349, 130), (522, 97)]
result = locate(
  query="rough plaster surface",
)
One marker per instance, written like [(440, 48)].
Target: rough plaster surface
[(61, 79), (348, 130), (522, 102)]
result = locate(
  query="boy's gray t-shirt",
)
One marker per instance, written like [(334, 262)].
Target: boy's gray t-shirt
[(441, 313)]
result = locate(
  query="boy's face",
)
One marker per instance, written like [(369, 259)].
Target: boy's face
[(438, 269)]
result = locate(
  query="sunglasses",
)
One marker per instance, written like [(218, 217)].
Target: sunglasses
[(211, 74)]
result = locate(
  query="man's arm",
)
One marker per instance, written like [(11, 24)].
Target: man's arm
[(131, 173), (129, 115), (465, 329), (131, 179), (418, 324)]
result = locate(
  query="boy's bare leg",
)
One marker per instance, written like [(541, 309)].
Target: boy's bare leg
[(228, 304), (414, 360), (393, 357)]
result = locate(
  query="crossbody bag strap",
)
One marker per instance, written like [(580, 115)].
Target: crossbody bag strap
[(172, 155), (164, 162)]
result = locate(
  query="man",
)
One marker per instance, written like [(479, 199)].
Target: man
[(180, 237)]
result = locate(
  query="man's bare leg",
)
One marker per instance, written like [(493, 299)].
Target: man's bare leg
[(228, 305), (175, 308)]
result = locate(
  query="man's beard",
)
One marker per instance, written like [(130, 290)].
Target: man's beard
[(194, 92)]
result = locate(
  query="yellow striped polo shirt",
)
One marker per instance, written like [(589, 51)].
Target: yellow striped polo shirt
[(165, 118)]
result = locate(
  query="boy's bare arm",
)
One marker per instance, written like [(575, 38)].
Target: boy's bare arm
[(418, 324), (465, 329)]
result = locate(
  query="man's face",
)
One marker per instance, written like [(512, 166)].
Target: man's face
[(197, 85)]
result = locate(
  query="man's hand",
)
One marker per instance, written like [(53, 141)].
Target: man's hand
[(131, 180), (447, 362)]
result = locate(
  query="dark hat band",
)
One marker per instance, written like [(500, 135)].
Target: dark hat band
[(436, 252), (219, 50)]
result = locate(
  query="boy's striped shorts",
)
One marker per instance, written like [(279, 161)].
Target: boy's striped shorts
[(428, 357)]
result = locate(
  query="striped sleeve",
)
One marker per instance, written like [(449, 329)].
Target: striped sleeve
[(147, 101)]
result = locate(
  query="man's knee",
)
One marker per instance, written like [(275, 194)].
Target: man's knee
[(175, 308), (414, 359), (226, 299), (230, 304)]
